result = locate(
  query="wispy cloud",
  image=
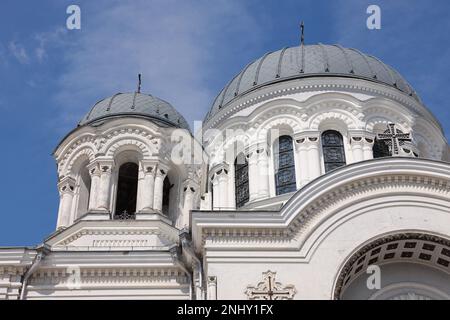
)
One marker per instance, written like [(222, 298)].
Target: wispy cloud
[(18, 52), (36, 48), (177, 46), (412, 40), (49, 39)]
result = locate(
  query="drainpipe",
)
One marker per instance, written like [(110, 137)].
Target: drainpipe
[(36, 262), (180, 265), (186, 245)]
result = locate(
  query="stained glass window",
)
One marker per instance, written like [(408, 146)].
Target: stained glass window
[(380, 149), (241, 180), (284, 165), (333, 150)]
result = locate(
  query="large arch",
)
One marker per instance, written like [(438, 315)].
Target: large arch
[(410, 266)]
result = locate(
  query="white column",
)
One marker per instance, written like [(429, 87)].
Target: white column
[(301, 161), (314, 165), (222, 188), (188, 204), (212, 288), (215, 191), (368, 147), (94, 172), (356, 144), (219, 179), (66, 190), (146, 187), (103, 203), (253, 174), (161, 173), (263, 172)]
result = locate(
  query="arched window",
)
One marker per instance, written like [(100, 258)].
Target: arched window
[(166, 195), (84, 189), (333, 150), (241, 191), (284, 165), (380, 149), (127, 191)]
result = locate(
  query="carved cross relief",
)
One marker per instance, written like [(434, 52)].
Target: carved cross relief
[(270, 289)]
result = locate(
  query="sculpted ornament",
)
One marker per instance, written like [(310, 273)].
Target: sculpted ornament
[(270, 289)]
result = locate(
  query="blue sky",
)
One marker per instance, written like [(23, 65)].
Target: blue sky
[(186, 51)]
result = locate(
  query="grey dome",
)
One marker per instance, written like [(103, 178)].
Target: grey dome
[(138, 105), (308, 61)]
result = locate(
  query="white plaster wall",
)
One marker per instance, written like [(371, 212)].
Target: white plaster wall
[(314, 275)]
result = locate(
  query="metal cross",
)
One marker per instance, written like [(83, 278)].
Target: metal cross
[(269, 289), (302, 28), (139, 83), (394, 138)]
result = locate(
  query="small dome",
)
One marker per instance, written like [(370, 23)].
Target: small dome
[(137, 105), (308, 61)]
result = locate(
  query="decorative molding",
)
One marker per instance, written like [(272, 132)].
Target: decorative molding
[(108, 276), (120, 243), (107, 142), (116, 232), (373, 89)]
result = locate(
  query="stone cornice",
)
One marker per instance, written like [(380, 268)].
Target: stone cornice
[(104, 276), (114, 228)]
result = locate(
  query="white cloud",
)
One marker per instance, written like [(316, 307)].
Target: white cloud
[(19, 52), (178, 46)]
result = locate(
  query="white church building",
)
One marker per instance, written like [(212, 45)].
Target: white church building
[(318, 174)]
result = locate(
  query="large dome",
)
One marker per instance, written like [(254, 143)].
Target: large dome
[(137, 105), (309, 61)]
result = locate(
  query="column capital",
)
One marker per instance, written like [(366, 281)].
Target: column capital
[(106, 165), (312, 141), (219, 170), (67, 185), (190, 185), (369, 140), (93, 168), (149, 166), (257, 148), (361, 136), (189, 189), (162, 169), (306, 138), (356, 140), (300, 141)]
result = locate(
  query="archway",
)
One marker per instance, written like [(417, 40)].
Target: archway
[(410, 266), (127, 191)]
